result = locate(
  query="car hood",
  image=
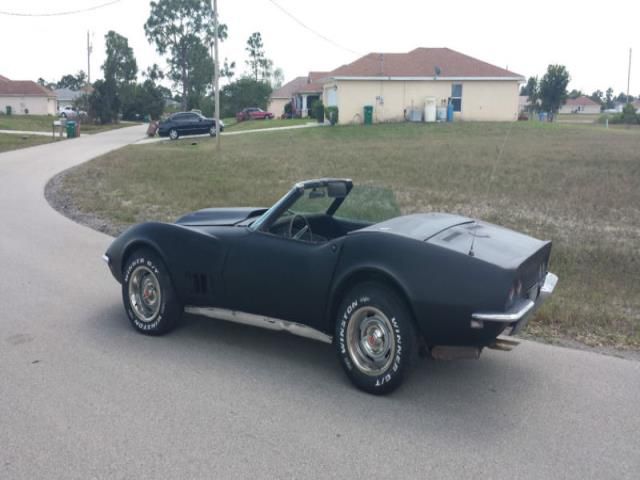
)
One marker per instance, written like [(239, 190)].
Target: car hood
[(484, 241), (219, 216)]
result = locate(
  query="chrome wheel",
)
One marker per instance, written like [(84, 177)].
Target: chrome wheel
[(145, 294), (370, 341), (173, 134)]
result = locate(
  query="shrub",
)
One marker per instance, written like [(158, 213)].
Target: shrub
[(317, 111), (629, 115), (331, 114), (288, 110)]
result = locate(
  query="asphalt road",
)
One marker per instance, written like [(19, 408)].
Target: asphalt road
[(83, 396)]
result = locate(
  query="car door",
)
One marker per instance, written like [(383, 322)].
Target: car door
[(280, 277)]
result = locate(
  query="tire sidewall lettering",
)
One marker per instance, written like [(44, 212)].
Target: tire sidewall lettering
[(395, 366)]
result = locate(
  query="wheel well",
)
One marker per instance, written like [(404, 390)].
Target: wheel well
[(136, 246), (368, 275)]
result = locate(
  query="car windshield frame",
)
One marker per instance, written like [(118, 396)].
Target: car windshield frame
[(267, 219)]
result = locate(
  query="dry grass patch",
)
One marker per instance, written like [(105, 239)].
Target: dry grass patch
[(576, 185)]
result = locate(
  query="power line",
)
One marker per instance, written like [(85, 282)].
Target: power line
[(315, 32), (59, 14)]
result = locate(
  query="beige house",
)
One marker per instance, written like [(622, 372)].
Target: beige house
[(301, 92), (399, 85), (283, 95), (24, 97), (583, 105)]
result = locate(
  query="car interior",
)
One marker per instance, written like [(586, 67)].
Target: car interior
[(316, 227)]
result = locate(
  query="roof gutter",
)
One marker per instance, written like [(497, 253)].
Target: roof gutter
[(422, 79)]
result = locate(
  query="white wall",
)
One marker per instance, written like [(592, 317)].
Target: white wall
[(34, 105)]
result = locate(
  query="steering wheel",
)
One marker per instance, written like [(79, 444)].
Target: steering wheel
[(306, 228)]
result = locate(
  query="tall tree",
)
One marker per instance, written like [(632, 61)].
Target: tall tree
[(596, 96), (608, 99), (259, 65), (175, 26), (553, 89), (245, 92), (228, 69), (277, 78), (73, 82), (530, 90), (575, 93), (120, 64), (153, 73)]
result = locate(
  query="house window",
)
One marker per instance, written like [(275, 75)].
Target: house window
[(456, 97)]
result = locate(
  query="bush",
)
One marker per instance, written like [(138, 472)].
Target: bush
[(629, 115), (288, 110), (317, 110), (332, 114)]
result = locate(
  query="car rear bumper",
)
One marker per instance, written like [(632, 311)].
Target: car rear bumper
[(517, 317)]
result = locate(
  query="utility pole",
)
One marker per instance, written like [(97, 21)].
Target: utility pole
[(216, 73), (629, 76), (89, 50)]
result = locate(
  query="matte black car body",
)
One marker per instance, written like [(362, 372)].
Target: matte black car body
[(187, 123), (465, 281)]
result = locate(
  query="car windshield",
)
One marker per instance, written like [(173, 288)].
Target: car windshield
[(367, 203)]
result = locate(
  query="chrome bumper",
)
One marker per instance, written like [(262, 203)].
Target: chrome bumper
[(518, 316)]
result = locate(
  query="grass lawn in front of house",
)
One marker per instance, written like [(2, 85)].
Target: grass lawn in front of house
[(10, 141), (578, 185), (43, 123)]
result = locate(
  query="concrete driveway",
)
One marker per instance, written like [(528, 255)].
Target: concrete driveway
[(83, 396)]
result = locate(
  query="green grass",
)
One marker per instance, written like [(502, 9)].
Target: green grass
[(577, 185), (43, 123), (234, 126), (10, 141)]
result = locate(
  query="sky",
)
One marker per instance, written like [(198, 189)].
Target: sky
[(524, 37)]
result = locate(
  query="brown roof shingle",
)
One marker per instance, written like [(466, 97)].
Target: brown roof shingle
[(581, 101), (421, 62), (25, 88), (289, 88)]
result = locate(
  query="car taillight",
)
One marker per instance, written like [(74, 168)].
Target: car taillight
[(515, 292)]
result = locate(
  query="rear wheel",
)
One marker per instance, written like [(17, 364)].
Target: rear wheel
[(375, 337), (148, 295), (173, 134)]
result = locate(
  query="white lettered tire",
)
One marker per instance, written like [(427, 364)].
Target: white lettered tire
[(148, 294), (375, 337)]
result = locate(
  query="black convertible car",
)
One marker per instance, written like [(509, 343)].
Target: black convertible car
[(187, 123), (445, 284)]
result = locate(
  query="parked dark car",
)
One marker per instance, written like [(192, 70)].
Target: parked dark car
[(441, 283), (187, 123), (253, 113)]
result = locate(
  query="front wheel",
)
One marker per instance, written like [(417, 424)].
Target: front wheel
[(148, 295), (375, 338), (173, 134), (212, 131)]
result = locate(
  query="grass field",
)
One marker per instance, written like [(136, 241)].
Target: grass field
[(42, 123), (9, 141), (577, 185), (232, 126)]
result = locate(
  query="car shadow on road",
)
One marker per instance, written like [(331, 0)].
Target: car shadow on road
[(449, 396)]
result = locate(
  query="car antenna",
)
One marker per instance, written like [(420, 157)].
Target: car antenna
[(490, 184)]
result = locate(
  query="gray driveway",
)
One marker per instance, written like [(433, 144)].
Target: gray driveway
[(84, 396)]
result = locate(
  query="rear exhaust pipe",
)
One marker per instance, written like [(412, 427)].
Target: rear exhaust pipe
[(504, 344)]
